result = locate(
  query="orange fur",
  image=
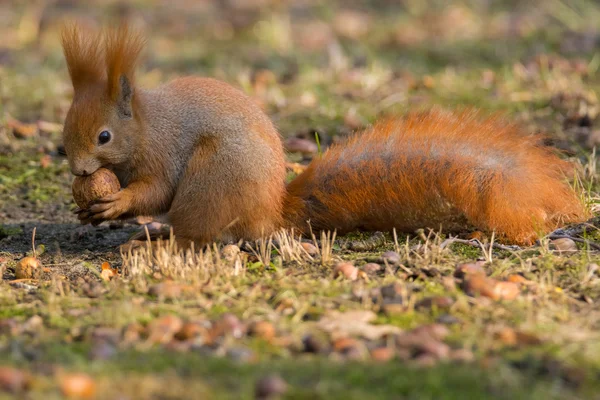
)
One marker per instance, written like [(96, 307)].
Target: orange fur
[(437, 169), (84, 56)]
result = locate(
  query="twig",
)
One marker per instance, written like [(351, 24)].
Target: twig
[(33, 242), (476, 243)]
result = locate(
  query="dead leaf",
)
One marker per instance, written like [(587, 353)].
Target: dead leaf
[(355, 323), (108, 273), (22, 130)]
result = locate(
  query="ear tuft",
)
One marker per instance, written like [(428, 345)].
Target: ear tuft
[(122, 49), (83, 53)]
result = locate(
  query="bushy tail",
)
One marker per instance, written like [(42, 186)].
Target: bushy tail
[(437, 170)]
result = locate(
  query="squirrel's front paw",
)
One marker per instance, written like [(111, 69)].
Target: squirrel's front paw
[(110, 207)]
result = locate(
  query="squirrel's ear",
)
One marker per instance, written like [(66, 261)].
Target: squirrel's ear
[(122, 50), (124, 98)]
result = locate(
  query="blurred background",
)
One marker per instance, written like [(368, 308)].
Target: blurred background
[(331, 66)]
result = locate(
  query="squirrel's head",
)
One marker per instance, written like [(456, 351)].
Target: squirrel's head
[(103, 124)]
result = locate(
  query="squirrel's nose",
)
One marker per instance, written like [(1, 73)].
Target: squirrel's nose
[(79, 172)]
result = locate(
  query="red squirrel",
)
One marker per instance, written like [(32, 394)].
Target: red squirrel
[(204, 154)]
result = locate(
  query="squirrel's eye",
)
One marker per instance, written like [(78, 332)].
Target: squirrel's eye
[(104, 137)]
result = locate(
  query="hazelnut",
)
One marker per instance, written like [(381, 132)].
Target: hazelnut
[(88, 189)]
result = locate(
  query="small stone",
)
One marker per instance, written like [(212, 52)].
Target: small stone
[(13, 380), (448, 319), (169, 290), (241, 354), (347, 270), (382, 354), (263, 329), (425, 360), (371, 268), (132, 333), (436, 331), (270, 387), (516, 278), (465, 269), (462, 355), (45, 161), (506, 291), (312, 344), (391, 257), (28, 268), (394, 309), (392, 291), (33, 324), (528, 339), (190, 330), (310, 248), (299, 145), (102, 351), (476, 284), (343, 344), (351, 24), (230, 251), (163, 329), (564, 246), (22, 130), (78, 385), (439, 302), (228, 324)]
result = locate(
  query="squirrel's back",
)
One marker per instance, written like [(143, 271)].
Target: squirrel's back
[(437, 170)]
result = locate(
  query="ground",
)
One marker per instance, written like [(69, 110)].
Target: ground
[(411, 316)]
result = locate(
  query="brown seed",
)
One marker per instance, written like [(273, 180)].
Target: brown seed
[(465, 269), (372, 268), (343, 344), (163, 329), (516, 278), (28, 268), (270, 387), (313, 345), (228, 324), (564, 246), (46, 161), (436, 331), (351, 24), (391, 257), (527, 339), (507, 336), (346, 270), (169, 290), (190, 330), (479, 284), (462, 355), (263, 329), (310, 248), (133, 332), (382, 354), (425, 360), (13, 380), (88, 189), (22, 130), (506, 291), (394, 309), (78, 385), (439, 302), (230, 251), (299, 145)]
